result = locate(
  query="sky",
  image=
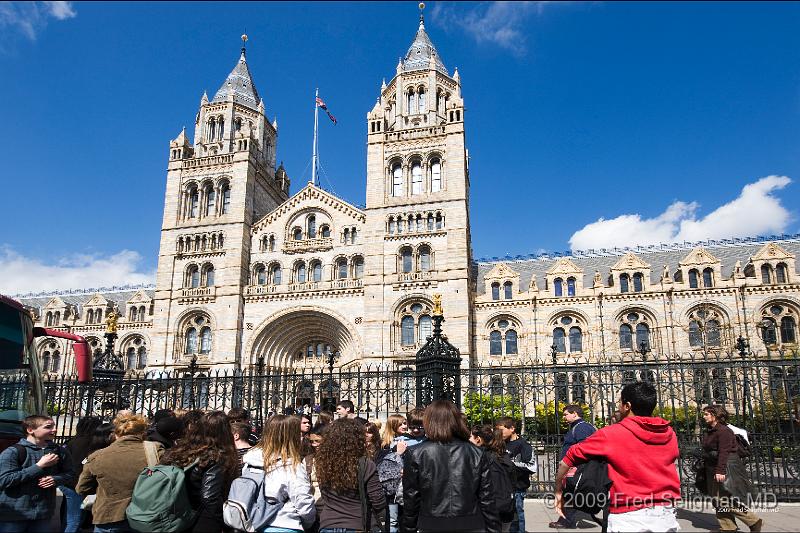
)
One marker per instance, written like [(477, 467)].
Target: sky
[(589, 125)]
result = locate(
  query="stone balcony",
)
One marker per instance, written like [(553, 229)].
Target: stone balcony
[(308, 286), (414, 276), (321, 244), (197, 295)]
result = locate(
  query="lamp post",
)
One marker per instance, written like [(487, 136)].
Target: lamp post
[(742, 347)]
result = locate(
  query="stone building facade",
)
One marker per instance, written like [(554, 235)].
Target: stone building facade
[(246, 271)]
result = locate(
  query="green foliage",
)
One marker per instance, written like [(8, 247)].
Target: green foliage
[(549, 419), (772, 412), (685, 419), (53, 409), (486, 408)]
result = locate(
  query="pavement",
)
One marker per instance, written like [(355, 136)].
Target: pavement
[(783, 517)]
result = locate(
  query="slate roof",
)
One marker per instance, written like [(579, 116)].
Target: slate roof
[(118, 295), (727, 251), (419, 53), (240, 81)]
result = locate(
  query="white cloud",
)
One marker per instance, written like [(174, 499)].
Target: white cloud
[(498, 23), (30, 18), (756, 211), (20, 274)]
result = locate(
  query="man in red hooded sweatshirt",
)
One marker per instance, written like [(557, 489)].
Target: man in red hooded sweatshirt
[(641, 451)]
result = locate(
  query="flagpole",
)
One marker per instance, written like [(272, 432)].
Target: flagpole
[(314, 147)]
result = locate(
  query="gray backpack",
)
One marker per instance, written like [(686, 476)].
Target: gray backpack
[(248, 508)]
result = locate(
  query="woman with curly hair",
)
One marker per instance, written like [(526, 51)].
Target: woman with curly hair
[(344, 473), (207, 447), (277, 454)]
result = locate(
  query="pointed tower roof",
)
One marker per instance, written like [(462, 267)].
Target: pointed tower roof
[(421, 51), (240, 83)]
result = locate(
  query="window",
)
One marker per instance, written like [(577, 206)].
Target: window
[(194, 199), (642, 335), (495, 343), (559, 340), (358, 267), (312, 227), (391, 226), (623, 283), (46, 362), (695, 337), (316, 271), (98, 316), (511, 342), (625, 337), (638, 284), (712, 333), (558, 287), (301, 273), (425, 327), (766, 274), (130, 355), (226, 198), (570, 286), (439, 221), (495, 291), (341, 269), (407, 260), (575, 339), (89, 317), (221, 128), (209, 276), (708, 277), (705, 328), (325, 230), (261, 275), (397, 180), (788, 330), (507, 291), (297, 234), (430, 222), (276, 275), (416, 178), (421, 100), (780, 273), (407, 330), (142, 357), (205, 340), (191, 341), (436, 175), (693, 280), (194, 277), (424, 258), (211, 200), (212, 129)]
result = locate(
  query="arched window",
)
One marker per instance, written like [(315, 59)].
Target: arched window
[(575, 339), (132, 314), (191, 341), (325, 230), (430, 222), (312, 227), (570, 286), (89, 317), (275, 275), (209, 276), (624, 283), (708, 277), (412, 102), (712, 333), (439, 221), (211, 200), (142, 357), (788, 330), (130, 356), (391, 226), (695, 336), (397, 180), (142, 314), (98, 316), (693, 279), (212, 129), (421, 99), (48, 321), (225, 191), (495, 343), (407, 259), (642, 335), (766, 274), (495, 291), (300, 273), (221, 128), (507, 290), (407, 331), (205, 340), (416, 178), (424, 258), (425, 327), (194, 277), (358, 267), (511, 342), (436, 177), (297, 234), (780, 273), (261, 275), (638, 284), (341, 269), (558, 287), (56, 365), (316, 271), (194, 200), (46, 362), (625, 337), (559, 340)]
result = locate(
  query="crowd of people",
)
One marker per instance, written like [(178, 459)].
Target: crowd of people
[(425, 471)]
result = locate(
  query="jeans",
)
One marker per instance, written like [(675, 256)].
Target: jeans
[(113, 527), (336, 530), (74, 514), (25, 526), (394, 515), (518, 525), (658, 518)]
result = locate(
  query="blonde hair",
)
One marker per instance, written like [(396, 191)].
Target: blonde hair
[(281, 440), (390, 430), (127, 423)]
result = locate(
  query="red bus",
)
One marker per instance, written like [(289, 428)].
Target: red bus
[(21, 385)]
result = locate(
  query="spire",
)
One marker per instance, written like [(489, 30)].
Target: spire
[(239, 84), (204, 99), (422, 53)]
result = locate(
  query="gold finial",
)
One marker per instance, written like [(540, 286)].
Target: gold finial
[(437, 305), (244, 39), (421, 16), (111, 322)]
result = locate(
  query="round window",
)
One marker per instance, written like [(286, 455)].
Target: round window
[(416, 308), (52, 345), (137, 342), (567, 320), (94, 344), (701, 314), (502, 324), (776, 309), (633, 317), (199, 321)]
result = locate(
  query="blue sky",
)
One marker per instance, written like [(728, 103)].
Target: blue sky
[(588, 124)]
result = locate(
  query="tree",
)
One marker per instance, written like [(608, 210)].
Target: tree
[(486, 408)]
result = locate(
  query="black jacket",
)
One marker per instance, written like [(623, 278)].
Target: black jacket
[(447, 487), (207, 492)]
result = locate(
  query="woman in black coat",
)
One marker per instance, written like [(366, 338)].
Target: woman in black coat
[(721, 461), (446, 479), (208, 447)]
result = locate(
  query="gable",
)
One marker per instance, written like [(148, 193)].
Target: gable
[(96, 300), (565, 266), (771, 251), (139, 297), (308, 197), (630, 261), (699, 256), (501, 271), (54, 303)]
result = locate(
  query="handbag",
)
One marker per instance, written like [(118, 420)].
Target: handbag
[(366, 509)]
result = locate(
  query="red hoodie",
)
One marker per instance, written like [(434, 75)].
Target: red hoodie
[(641, 452)]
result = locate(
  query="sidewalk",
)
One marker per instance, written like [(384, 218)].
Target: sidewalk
[(785, 518)]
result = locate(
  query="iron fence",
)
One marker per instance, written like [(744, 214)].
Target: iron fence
[(761, 391)]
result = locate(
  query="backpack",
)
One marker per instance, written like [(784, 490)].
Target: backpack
[(160, 501), (248, 508), (390, 470), (743, 449), (586, 487), (501, 472)]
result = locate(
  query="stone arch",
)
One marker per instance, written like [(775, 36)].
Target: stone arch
[(281, 336)]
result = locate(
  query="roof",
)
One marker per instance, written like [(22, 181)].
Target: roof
[(420, 52), (240, 82), (727, 251), (117, 295)]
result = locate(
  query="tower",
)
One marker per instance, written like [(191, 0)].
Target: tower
[(217, 186), (417, 229)]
